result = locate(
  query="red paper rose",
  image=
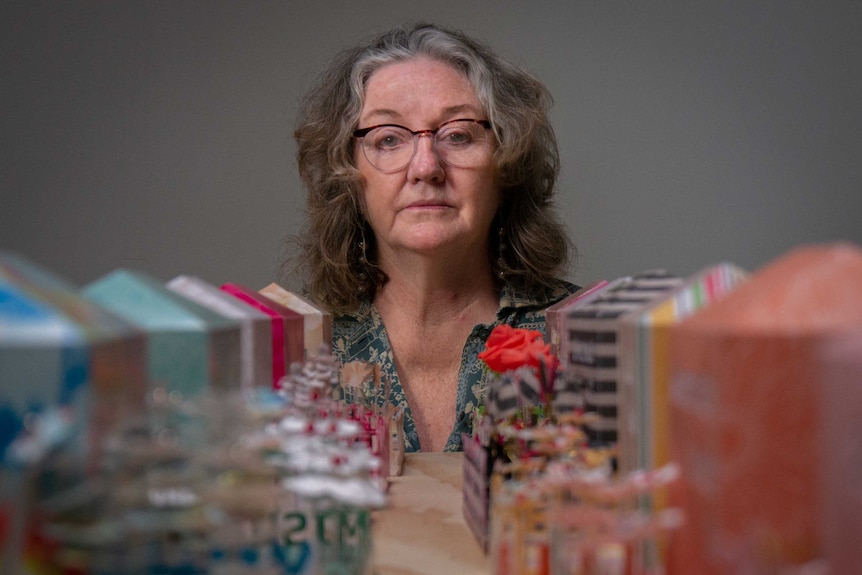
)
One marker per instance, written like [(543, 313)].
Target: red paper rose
[(509, 348)]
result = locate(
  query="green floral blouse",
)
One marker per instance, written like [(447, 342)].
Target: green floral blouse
[(361, 336)]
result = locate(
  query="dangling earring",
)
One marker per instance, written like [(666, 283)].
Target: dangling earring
[(501, 247), (362, 276)]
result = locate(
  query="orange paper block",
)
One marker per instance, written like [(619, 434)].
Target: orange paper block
[(287, 329), (317, 322), (746, 413)]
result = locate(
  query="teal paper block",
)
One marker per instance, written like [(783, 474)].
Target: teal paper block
[(190, 349)]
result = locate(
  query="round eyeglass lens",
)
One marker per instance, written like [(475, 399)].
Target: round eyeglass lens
[(460, 143)]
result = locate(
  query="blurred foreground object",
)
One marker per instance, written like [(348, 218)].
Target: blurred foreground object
[(753, 417)]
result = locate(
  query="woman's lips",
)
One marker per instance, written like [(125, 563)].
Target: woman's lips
[(428, 205)]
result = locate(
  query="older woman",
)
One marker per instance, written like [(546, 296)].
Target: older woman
[(430, 166)]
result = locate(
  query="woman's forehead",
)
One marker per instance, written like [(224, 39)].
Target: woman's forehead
[(421, 86)]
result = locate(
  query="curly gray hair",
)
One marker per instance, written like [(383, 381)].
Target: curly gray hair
[(337, 247)]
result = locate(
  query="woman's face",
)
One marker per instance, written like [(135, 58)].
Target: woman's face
[(429, 207)]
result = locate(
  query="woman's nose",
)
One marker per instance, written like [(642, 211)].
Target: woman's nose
[(426, 163)]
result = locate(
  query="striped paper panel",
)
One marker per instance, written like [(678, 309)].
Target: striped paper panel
[(593, 352)]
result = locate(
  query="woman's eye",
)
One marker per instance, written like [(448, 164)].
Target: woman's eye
[(456, 137), (388, 140)]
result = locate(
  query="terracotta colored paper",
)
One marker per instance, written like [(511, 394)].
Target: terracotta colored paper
[(841, 441), (746, 416)]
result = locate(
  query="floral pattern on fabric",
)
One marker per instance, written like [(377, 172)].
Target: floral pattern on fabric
[(361, 336)]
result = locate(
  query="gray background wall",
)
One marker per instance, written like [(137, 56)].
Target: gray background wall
[(157, 135)]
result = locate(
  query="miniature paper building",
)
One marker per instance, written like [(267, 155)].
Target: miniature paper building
[(317, 322), (643, 441), (190, 348), (746, 413), (556, 314), (255, 330), (478, 460), (366, 395), (593, 352), (58, 349), (841, 521), (288, 339), (70, 374)]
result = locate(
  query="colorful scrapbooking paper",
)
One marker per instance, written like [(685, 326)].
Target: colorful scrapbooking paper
[(190, 349), (255, 332), (317, 322), (288, 337)]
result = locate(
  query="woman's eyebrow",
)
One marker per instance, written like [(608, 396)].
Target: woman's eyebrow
[(384, 113), (447, 113), (461, 108)]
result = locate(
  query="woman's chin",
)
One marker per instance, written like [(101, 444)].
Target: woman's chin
[(432, 244)]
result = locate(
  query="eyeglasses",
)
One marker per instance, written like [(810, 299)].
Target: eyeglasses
[(390, 148)]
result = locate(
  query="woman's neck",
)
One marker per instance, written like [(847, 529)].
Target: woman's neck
[(434, 296), (428, 317)]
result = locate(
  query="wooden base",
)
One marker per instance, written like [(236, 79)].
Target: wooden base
[(422, 531)]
